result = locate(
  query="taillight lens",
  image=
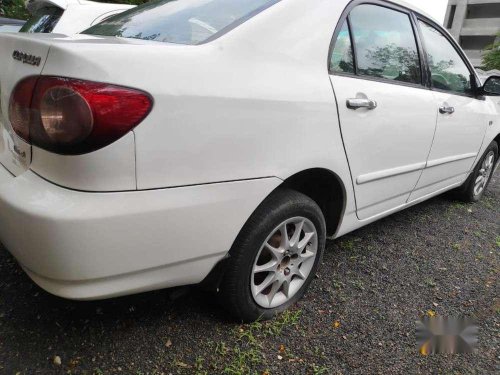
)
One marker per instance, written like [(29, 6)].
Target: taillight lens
[(69, 116), (20, 107)]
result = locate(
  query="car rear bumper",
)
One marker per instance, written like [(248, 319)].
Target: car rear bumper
[(83, 245)]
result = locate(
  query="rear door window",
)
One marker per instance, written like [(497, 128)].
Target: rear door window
[(44, 20), (342, 60), (385, 44)]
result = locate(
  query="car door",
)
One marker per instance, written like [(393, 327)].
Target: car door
[(462, 117), (387, 114)]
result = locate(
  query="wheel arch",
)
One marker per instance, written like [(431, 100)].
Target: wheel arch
[(325, 188), (321, 185)]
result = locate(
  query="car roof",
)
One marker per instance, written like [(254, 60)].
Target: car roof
[(414, 8), (33, 5), (11, 21)]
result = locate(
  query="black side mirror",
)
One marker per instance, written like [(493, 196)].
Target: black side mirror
[(491, 86)]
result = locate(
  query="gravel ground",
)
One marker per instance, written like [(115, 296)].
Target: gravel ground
[(359, 316)]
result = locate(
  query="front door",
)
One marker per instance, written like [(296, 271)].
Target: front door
[(462, 118), (387, 115)]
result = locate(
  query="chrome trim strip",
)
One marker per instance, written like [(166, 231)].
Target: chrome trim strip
[(450, 159), (379, 175)]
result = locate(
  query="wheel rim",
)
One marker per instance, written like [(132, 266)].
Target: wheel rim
[(284, 262), (484, 173)]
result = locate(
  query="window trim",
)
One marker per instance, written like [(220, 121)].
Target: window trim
[(353, 46)]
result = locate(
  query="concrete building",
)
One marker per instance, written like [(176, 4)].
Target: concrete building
[(474, 24)]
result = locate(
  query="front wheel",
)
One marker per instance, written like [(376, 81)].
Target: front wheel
[(475, 186), (275, 257)]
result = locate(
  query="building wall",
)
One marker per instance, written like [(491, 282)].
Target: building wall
[(474, 24)]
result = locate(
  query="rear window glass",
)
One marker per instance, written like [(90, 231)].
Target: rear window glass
[(180, 21), (43, 20)]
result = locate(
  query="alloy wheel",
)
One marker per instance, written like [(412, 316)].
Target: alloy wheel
[(284, 262), (484, 173)]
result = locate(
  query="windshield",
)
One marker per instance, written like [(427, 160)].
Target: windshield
[(43, 20), (180, 21)]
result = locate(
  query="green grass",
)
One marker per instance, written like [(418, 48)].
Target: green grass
[(318, 370), (347, 245), (243, 361), (248, 353), (198, 366), (358, 284), (430, 282), (458, 205)]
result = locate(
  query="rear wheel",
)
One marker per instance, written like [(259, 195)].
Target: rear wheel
[(475, 186), (275, 257)]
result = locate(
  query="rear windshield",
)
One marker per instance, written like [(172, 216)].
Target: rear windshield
[(180, 21), (43, 20)]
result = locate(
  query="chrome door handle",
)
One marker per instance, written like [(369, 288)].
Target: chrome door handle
[(361, 103), (444, 109)]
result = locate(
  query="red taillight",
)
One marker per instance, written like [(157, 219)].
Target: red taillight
[(20, 107), (71, 117)]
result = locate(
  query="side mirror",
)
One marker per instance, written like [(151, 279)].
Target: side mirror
[(491, 86)]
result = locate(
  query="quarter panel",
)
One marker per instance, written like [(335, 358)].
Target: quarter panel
[(68, 235), (109, 169)]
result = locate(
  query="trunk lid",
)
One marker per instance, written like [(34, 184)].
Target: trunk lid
[(21, 56)]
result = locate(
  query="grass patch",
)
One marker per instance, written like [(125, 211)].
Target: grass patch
[(458, 205), (247, 355), (430, 282), (347, 245), (318, 370), (243, 360)]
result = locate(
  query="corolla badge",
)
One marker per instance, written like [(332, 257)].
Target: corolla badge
[(26, 58)]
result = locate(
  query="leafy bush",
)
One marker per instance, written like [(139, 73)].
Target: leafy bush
[(491, 57), (13, 9)]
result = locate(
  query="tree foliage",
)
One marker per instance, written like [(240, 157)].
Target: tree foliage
[(491, 57), (13, 9)]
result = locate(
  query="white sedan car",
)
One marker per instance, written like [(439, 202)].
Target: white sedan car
[(224, 140), (68, 16)]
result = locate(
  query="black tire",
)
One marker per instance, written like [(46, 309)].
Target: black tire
[(235, 289), (466, 191)]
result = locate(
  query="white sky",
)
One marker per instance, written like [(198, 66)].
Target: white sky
[(436, 8)]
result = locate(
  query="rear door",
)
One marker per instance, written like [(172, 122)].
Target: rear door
[(462, 118), (19, 58), (387, 114)]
